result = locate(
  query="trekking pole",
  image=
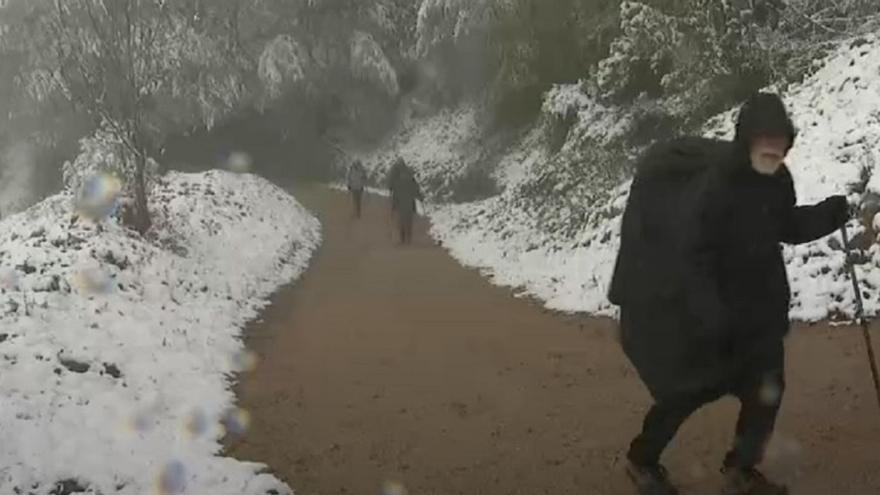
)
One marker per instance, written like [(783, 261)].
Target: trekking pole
[(860, 312)]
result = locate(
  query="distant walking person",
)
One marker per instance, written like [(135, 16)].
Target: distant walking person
[(393, 176), (356, 178), (405, 191)]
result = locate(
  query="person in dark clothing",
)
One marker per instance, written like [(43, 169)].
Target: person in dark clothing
[(405, 191), (356, 179), (394, 174), (704, 303)]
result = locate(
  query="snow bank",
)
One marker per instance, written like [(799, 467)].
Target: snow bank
[(505, 246), (836, 110), (116, 353)]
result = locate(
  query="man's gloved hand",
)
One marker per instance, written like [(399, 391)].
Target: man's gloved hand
[(839, 209)]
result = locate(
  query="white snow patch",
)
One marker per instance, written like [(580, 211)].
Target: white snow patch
[(116, 352), (515, 167), (571, 277)]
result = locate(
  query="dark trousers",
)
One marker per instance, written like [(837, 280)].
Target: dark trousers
[(760, 394), (357, 197), (405, 224)]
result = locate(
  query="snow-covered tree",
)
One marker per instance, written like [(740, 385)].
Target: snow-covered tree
[(369, 63), (282, 63), (697, 55), (511, 51), (102, 153), (329, 55), (443, 21), (140, 68)]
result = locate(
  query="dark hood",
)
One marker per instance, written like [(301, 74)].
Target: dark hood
[(761, 114)]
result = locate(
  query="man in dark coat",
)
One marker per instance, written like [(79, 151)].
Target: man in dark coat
[(405, 191), (356, 180), (394, 174), (704, 300)]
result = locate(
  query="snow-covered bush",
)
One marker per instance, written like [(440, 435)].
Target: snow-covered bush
[(641, 55), (562, 196), (583, 116), (696, 57), (104, 153)]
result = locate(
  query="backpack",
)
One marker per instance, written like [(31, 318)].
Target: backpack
[(664, 192)]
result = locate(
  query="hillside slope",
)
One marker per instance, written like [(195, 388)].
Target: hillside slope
[(116, 352), (553, 230)]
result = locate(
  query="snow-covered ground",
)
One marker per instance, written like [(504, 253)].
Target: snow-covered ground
[(836, 110), (116, 353)]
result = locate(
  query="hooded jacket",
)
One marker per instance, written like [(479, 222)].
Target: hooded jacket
[(405, 191), (356, 178), (733, 272), (700, 276)]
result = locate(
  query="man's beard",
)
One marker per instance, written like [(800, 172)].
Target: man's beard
[(766, 164)]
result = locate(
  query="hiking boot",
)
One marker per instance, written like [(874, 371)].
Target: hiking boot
[(749, 481), (650, 480)]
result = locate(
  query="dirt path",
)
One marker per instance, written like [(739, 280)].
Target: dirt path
[(387, 363)]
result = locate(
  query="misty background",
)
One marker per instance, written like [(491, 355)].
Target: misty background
[(158, 85)]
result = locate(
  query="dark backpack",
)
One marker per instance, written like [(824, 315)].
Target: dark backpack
[(668, 178)]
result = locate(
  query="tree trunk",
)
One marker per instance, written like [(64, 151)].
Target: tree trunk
[(141, 213)]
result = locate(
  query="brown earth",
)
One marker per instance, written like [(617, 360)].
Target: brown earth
[(396, 364)]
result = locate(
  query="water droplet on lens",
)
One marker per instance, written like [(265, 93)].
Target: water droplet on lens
[(239, 162), (197, 425), (393, 488), (236, 421), (172, 479)]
